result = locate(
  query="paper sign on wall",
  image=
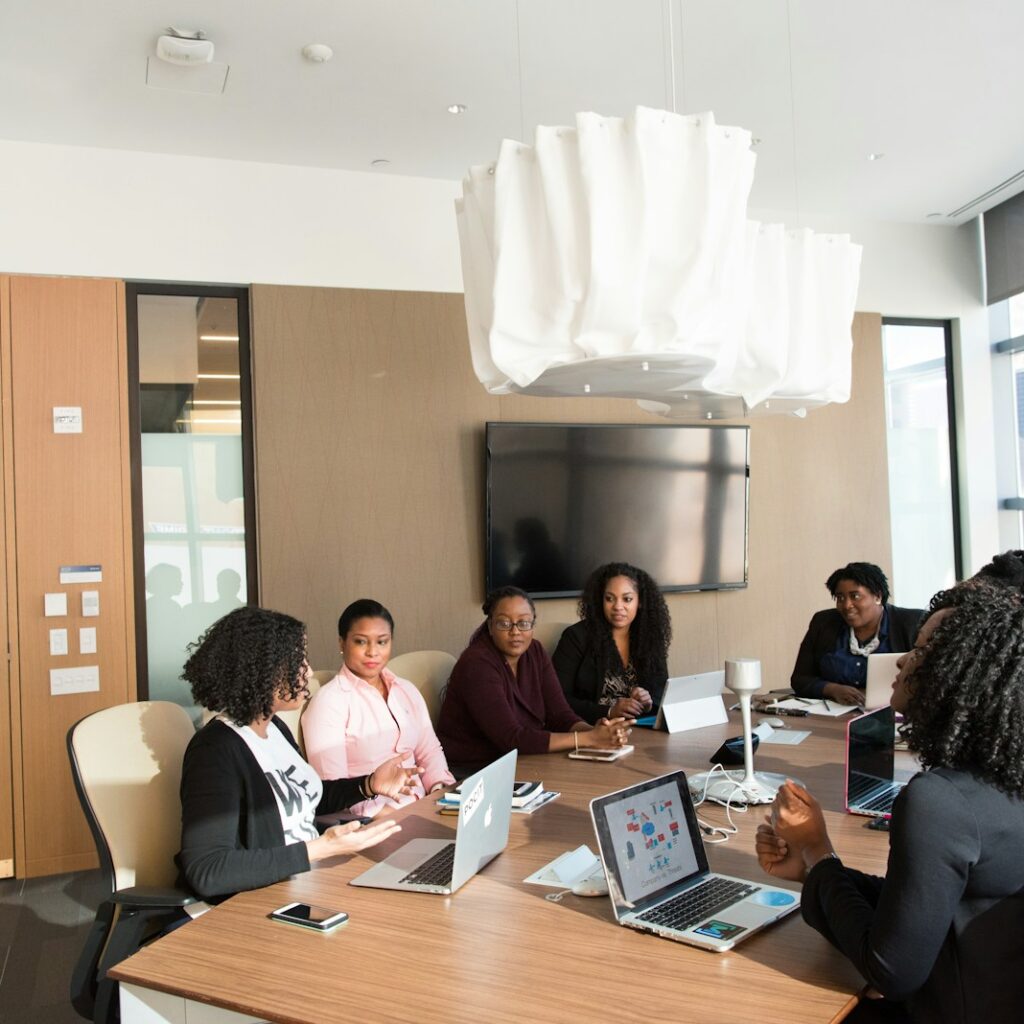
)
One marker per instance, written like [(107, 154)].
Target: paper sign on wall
[(55, 604), (67, 419), (84, 679), (81, 574), (87, 640), (58, 642), (90, 604)]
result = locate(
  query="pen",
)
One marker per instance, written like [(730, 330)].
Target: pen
[(828, 707)]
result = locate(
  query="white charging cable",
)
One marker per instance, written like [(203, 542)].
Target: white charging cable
[(722, 832)]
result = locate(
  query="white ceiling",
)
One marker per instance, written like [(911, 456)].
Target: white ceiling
[(935, 85)]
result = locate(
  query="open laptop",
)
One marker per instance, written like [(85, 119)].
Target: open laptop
[(870, 763), (881, 673), (443, 865), (690, 702), (658, 875)]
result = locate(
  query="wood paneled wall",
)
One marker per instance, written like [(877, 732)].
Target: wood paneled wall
[(370, 480), (66, 503)]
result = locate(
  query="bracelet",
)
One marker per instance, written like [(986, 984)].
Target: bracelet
[(366, 788), (576, 740)]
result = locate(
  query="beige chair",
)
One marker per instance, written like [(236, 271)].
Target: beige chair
[(429, 671), (126, 765), (549, 633)]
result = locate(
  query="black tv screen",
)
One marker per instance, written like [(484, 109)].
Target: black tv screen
[(563, 499)]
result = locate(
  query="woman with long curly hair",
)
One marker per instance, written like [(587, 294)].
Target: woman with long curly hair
[(614, 662), (248, 799), (943, 932)]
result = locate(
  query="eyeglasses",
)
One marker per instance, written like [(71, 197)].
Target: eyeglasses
[(506, 625)]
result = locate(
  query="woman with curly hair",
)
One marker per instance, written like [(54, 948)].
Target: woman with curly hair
[(504, 695), (943, 932), (832, 662), (614, 661), (248, 799)]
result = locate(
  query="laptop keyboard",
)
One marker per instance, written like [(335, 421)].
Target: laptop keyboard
[(435, 870), (698, 904), (868, 797)]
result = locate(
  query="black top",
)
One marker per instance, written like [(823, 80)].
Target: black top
[(582, 677), (823, 634), (231, 834), (944, 930)]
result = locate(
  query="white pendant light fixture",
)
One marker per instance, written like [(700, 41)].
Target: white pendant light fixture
[(615, 258)]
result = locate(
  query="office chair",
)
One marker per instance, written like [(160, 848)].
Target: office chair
[(549, 633), (428, 671), (126, 765)]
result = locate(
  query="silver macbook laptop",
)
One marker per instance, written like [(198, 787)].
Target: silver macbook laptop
[(658, 875), (870, 763), (444, 865), (881, 673)]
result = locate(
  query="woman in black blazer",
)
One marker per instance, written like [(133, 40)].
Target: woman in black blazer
[(832, 660), (613, 663)]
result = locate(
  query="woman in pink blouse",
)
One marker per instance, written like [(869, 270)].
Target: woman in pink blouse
[(366, 714)]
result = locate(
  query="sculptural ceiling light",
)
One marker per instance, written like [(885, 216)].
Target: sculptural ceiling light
[(616, 259)]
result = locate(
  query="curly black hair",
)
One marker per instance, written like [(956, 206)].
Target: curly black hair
[(865, 574), (246, 659), (1004, 571), (966, 710), (650, 632)]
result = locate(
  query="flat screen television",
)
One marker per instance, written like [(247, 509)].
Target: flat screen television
[(563, 499)]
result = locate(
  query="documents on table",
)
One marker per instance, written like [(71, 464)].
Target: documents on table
[(790, 737), (813, 706), (571, 867)]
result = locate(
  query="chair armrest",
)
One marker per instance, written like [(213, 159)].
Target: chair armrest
[(152, 896)]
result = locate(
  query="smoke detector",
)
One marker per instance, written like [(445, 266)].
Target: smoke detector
[(184, 47)]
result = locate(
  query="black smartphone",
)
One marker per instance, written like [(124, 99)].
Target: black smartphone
[(305, 916)]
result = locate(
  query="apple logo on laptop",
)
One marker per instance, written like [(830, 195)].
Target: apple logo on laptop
[(487, 817)]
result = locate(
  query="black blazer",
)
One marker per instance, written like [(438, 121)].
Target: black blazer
[(582, 679), (823, 634)]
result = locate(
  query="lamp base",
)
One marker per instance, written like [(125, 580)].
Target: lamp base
[(732, 787)]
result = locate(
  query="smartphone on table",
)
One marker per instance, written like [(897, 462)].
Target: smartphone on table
[(318, 919)]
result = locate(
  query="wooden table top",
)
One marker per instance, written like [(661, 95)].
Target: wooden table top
[(497, 950)]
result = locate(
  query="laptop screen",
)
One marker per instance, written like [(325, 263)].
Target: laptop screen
[(870, 748), (648, 839)]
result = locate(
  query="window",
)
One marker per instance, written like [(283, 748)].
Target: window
[(192, 472), (1007, 324), (923, 499)]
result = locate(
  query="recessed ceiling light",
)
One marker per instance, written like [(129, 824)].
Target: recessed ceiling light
[(317, 53), (380, 162), (930, 215), (754, 143), (875, 156), (457, 108)]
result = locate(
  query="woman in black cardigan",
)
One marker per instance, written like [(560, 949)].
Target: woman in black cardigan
[(613, 663), (248, 799), (832, 662)]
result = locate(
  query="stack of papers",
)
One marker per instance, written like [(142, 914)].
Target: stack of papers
[(813, 706)]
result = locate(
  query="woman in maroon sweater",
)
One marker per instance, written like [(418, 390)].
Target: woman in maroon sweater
[(504, 694)]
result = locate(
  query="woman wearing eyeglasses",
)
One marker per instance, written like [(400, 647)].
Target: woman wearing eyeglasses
[(504, 694), (832, 663)]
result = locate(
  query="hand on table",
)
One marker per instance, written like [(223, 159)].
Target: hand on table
[(351, 837), (842, 694), (610, 732), (393, 779)]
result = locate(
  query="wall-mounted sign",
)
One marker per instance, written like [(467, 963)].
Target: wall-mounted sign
[(81, 574), (67, 419)]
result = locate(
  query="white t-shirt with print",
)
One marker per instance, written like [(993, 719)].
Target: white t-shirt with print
[(296, 787)]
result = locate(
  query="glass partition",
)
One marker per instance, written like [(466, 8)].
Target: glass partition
[(192, 476)]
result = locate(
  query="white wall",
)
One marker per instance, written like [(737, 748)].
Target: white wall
[(79, 211)]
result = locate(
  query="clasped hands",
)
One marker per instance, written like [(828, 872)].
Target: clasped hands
[(633, 706), (794, 837)]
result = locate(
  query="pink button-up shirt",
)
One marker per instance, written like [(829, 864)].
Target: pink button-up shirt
[(349, 729)]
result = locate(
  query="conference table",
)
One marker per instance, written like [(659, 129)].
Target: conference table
[(497, 950)]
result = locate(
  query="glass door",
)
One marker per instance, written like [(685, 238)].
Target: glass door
[(191, 472)]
